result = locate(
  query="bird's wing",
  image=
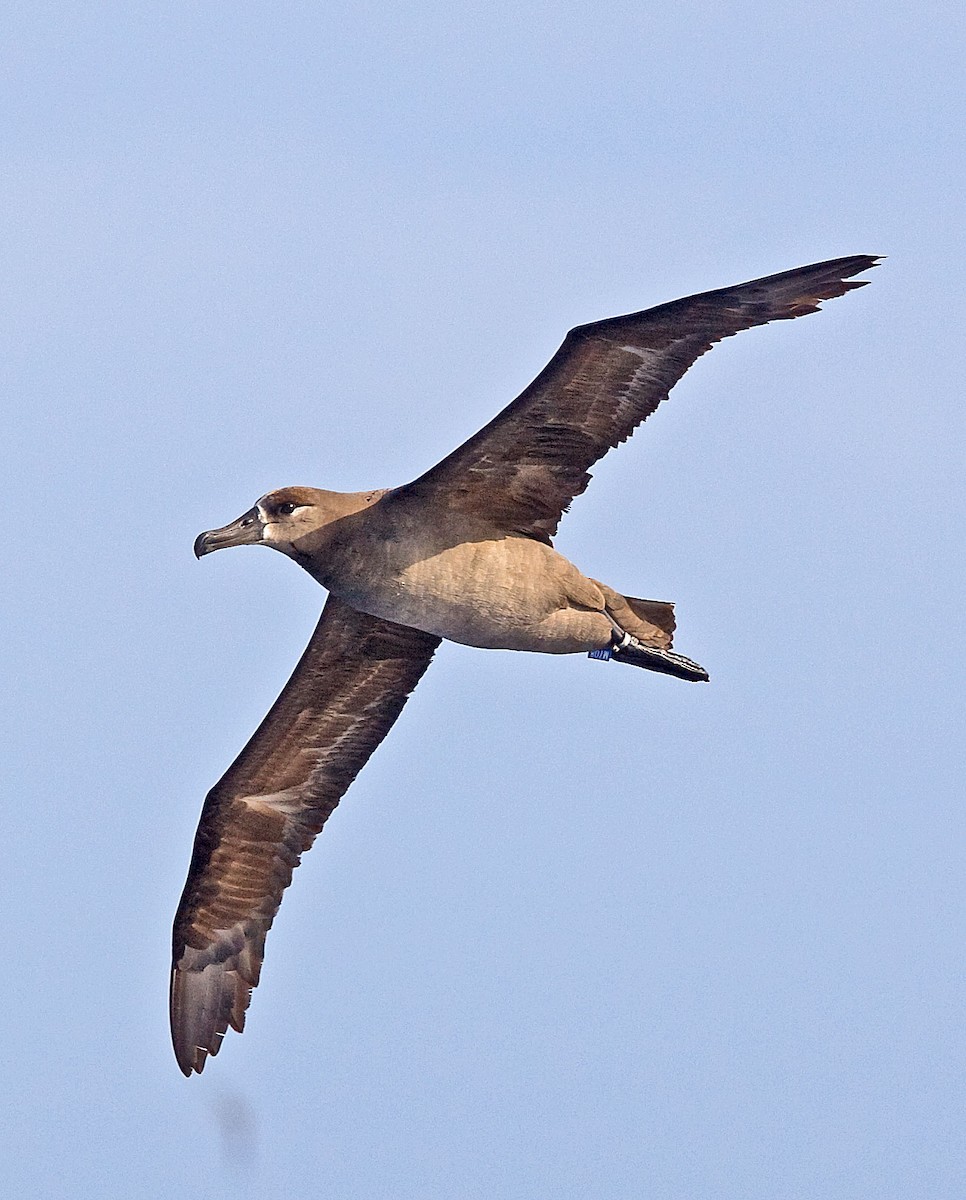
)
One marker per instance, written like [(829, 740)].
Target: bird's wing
[(347, 690), (522, 470)]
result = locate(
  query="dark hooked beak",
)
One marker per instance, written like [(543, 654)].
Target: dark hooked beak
[(246, 531)]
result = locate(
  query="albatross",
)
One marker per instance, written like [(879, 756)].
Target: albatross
[(464, 553)]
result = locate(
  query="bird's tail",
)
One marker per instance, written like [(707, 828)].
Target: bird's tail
[(643, 634), (658, 613)]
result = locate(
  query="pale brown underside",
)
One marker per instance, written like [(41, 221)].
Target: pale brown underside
[(522, 470), (341, 701)]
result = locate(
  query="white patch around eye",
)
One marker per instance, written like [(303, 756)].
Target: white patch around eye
[(271, 521), (266, 522)]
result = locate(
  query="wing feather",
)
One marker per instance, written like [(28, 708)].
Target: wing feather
[(347, 690), (523, 469)]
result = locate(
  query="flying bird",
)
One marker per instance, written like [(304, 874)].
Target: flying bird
[(465, 553)]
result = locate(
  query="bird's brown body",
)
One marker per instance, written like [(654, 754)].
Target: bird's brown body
[(462, 553), (457, 576)]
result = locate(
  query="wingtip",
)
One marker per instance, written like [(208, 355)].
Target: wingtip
[(188, 1068), (855, 264), (864, 262), (805, 289), (191, 1059), (200, 1011)]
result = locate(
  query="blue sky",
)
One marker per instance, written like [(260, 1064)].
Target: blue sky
[(575, 931)]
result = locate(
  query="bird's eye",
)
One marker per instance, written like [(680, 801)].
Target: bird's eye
[(286, 509)]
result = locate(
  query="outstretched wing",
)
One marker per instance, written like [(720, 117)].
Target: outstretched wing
[(523, 469), (347, 690)]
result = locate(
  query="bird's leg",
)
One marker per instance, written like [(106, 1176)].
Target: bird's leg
[(620, 638)]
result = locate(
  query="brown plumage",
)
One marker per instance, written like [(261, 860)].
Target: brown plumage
[(347, 690), (463, 552), (532, 459)]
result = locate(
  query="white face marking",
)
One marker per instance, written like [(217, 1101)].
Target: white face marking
[(272, 526), (265, 520)]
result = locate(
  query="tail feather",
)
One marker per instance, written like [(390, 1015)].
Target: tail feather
[(654, 612), (651, 621)]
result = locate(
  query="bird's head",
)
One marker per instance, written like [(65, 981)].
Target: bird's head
[(280, 519)]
